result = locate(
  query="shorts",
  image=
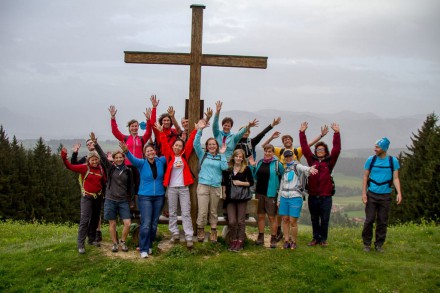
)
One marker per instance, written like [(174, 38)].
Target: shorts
[(290, 207), (113, 208), (267, 205)]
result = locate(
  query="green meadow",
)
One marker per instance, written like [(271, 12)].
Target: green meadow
[(43, 258)]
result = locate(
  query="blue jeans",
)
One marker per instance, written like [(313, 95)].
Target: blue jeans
[(320, 208), (150, 208)]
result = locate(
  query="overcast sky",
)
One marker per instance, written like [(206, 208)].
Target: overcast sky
[(62, 62)]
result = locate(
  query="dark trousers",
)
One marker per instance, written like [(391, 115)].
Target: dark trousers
[(320, 208), (377, 209), (237, 220), (89, 220)]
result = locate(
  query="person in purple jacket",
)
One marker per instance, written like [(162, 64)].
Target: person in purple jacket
[(320, 186)]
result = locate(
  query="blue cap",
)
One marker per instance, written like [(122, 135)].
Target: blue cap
[(383, 143)]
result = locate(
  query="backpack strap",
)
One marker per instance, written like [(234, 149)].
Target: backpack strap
[(391, 166), (282, 151), (295, 151)]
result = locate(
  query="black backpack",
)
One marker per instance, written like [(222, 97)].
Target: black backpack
[(391, 166)]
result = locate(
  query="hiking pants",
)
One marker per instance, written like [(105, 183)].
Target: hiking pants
[(89, 220), (176, 194), (320, 208), (377, 209)]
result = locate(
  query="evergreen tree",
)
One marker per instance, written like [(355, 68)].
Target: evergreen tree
[(420, 176)]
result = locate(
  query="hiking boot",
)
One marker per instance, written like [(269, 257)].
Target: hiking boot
[(260, 239), (273, 241), (115, 247), (95, 243), (314, 242), (324, 244), (144, 255), (189, 244), (379, 249), (286, 245), (213, 236), (98, 236), (367, 248), (200, 234), (175, 238), (232, 245), (124, 246), (238, 246), (280, 235), (293, 245), (81, 250)]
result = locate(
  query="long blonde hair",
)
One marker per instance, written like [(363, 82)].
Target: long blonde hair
[(243, 162)]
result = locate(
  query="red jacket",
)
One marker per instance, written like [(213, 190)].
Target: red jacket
[(169, 155), (321, 183), (135, 144), (95, 180)]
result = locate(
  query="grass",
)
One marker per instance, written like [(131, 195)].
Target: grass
[(43, 258), (349, 181)]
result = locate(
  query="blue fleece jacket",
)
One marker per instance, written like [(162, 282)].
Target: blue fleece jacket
[(148, 185), (231, 139), (212, 166)]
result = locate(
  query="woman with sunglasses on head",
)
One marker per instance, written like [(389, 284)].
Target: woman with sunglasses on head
[(321, 185)]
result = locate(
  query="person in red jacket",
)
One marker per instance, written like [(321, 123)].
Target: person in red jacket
[(134, 142), (177, 179), (320, 186), (167, 121), (92, 183)]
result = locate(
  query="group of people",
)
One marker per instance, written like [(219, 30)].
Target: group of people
[(228, 169)]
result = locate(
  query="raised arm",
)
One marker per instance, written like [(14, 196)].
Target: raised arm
[(336, 149), (75, 168), (115, 130), (135, 161), (324, 131), (215, 124), (197, 146), (101, 153), (256, 140), (303, 142), (274, 135), (172, 112)]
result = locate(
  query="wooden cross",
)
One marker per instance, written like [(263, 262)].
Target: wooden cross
[(196, 60)]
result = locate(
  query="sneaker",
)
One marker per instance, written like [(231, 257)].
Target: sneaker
[(232, 245), (81, 250), (324, 244), (124, 246), (273, 241), (367, 248), (379, 249), (213, 236), (293, 245), (280, 235), (239, 246), (200, 234), (115, 247), (95, 243), (189, 244), (175, 238), (144, 255), (286, 245), (98, 236), (314, 242), (260, 239)]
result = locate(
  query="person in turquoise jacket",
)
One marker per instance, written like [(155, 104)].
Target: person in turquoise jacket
[(209, 190), (151, 194), (226, 137), (267, 172)]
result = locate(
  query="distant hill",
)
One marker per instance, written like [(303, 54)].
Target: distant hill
[(358, 130)]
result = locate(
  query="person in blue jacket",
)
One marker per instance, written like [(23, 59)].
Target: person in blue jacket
[(267, 172), (151, 194), (209, 190)]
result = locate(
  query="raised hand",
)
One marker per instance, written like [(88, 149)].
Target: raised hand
[(113, 111), (222, 150), (202, 124), (158, 126), (335, 127), (304, 126), (276, 121), (76, 147), (64, 150), (218, 107), (253, 123), (276, 134), (208, 113), (154, 101), (123, 146), (147, 113), (93, 138), (171, 111), (324, 130)]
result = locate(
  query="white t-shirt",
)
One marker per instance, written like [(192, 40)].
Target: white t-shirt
[(176, 178)]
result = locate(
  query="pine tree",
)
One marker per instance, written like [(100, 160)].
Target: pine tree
[(420, 176)]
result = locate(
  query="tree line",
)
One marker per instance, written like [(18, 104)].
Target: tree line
[(34, 184)]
